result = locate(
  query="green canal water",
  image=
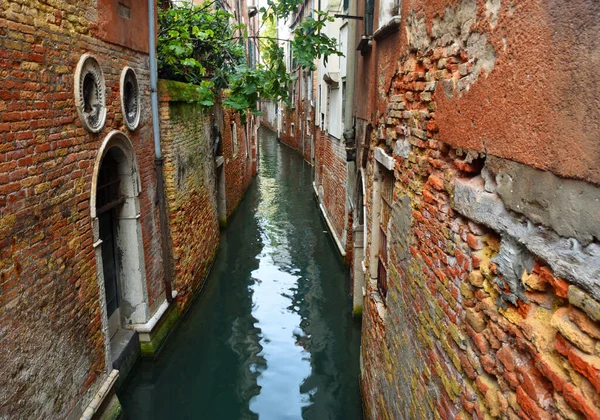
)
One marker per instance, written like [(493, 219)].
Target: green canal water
[(271, 335)]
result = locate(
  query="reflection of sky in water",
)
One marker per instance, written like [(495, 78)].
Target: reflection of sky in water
[(287, 362), (271, 335)]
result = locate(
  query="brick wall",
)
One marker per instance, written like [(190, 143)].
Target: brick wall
[(455, 338), (291, 116), (190, 184), (302, 116), (52, 352), (492, 303), (331, 178), (240, 159)]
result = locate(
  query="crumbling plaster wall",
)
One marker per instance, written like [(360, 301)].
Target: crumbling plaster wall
[(540, 105), (494, 310)]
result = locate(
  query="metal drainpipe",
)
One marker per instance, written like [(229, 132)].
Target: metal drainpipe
[(158, 160), (350, 67), (349, 129)]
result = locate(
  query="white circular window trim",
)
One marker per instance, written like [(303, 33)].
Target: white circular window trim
[(90, 93), (130, 98)]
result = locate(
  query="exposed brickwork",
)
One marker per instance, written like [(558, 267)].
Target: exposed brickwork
[(302, 115), (240, 159), (331, 178), (51, 343), (290, 136), (190, 184), (536, 358), (457, 336)]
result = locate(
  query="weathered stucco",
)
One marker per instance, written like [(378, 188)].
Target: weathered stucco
[(540, 104), (489, 110), (570, 207)]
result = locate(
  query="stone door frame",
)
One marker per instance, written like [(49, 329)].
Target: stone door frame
[(133, 292)]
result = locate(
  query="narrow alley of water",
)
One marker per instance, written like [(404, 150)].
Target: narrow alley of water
[(271, 335)]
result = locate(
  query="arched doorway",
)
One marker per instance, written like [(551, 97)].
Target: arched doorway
[(108, 202), (115, 213)]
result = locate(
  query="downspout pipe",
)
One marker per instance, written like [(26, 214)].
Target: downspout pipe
[(158, 158)]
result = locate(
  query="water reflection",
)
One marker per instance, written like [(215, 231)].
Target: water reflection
[(271, 335)]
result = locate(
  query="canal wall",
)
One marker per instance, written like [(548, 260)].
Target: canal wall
[(483, 290), (82, 267), (297, 120), (239, 151), (190, 186), (331, 177)]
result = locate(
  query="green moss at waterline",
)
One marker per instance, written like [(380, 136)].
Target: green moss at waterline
[(150, 349), (357, 311), (113, 410)]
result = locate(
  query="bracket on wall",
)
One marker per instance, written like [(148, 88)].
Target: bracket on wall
[(332, 79), (391, 26), (340, 16), (365, 44)]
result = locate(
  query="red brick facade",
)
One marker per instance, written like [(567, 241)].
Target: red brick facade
[(239, 152), (487, 312), (54, 342), (191, 188), (52, 348), (331, 179)]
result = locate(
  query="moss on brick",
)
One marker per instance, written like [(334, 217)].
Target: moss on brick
[(179, 91), (159, 337), (113, 410)]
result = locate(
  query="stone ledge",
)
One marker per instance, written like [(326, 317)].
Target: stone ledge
[(125, 351), (382, 157), (149, 326), (391, 26), (329, 224), (96, 406), (153, 334), (567, 206), (578, 264)]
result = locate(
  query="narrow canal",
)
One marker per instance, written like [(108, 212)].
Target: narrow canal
[(271, 335)]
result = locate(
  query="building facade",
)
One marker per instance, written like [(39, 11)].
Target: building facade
[(295, 124), (330, 155), (91, 257), (78, 189), (482, 223)]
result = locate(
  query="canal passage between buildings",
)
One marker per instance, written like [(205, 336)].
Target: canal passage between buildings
[(271, 335)]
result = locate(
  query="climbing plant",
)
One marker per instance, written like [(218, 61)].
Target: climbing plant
[(204, 46)]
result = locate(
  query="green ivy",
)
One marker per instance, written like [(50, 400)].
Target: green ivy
[(201, 45)]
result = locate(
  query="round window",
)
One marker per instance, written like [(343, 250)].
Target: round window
[(130, 98), (90, 98)]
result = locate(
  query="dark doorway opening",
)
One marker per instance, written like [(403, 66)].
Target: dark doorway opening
[(108, 200)]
